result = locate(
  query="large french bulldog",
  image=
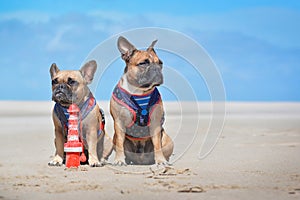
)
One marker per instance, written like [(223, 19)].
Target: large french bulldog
[(137, 109)]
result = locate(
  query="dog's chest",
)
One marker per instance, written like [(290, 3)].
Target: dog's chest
[(140, 107)]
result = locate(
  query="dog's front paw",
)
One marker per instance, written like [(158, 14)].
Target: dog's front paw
[(56, 161), (95, 163), (103, 161), (161, 161), (119, 162)]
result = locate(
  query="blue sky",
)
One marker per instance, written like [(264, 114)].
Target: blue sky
[(255, 44)]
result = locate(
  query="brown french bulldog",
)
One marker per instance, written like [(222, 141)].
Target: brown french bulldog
[(71, 87), (137, 109)]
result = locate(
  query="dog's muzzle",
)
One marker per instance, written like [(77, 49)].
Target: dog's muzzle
[(152, 77), (62, 94)]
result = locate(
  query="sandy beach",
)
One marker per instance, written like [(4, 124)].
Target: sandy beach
[(256, 156)]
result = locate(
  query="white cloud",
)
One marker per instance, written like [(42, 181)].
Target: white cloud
[(274, 25), (278, 26), (56, 43), (26, 16)]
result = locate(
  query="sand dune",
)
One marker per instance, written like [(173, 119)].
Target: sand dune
[(256, 157)]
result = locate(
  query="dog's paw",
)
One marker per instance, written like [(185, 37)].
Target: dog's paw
[(96, 164), (56, 161), (162, 161), (103, 161), (119, 162), (164, 164)]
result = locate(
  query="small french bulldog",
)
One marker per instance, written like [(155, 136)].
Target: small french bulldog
[(137, 109), (71, 87)]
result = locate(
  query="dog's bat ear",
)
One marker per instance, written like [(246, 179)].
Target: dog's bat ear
[(151, 47), (53, 70), (126, 48), (88, 70)]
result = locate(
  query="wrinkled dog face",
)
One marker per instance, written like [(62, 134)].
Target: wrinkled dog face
[(71, 86), (143, 68), (65, 86)]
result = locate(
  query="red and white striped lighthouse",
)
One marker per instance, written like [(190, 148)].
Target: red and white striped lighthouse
[(73, 147)]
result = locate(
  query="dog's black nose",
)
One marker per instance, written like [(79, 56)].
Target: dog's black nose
[(62, 86)]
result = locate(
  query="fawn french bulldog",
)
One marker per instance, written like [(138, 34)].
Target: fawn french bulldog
[(137, 109), (71, 87)]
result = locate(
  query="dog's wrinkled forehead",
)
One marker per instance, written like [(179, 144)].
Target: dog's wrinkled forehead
[(141, 56), (65, 76)]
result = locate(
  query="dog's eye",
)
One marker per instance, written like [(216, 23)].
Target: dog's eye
[(145, 62), (54, 81), (71, 82)]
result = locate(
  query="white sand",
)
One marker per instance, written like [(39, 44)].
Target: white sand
[(256, 157)]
